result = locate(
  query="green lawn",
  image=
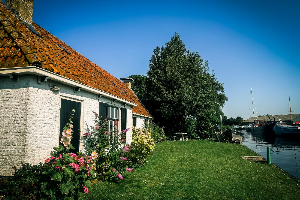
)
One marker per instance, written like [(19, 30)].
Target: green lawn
[(200, 170)]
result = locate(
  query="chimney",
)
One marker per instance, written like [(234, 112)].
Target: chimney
[(21, 8), (127, 81)]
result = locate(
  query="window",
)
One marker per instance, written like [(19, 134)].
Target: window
[(123, 118), (110, 113), (134, 121)]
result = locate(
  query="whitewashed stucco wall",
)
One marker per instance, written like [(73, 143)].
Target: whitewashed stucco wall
[(30, 119), (43, 111), (140, 121), (129, 125), (13, 130)]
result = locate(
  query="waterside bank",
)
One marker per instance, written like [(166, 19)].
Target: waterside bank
[(200, 170)]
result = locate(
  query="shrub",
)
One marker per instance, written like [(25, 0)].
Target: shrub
[(64, 175), (157, 133), (142, 145), (111, 161), (25, 184)]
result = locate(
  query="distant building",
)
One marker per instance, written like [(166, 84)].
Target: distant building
[(276, 118)]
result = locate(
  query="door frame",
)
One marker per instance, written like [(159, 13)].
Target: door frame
[(81, 125)]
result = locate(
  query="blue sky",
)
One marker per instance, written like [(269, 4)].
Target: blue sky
[(249, 44)]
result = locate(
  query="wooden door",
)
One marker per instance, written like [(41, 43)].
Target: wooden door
[(66, 108)]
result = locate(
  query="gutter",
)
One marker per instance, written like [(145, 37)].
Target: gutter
[(52, 76), (141, 115)]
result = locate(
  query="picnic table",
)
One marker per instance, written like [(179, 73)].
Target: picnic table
[(182, 136)]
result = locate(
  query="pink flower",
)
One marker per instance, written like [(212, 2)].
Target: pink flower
[(116, 123), (75, 166), (86, 190), (57, 167), (122, 158), (60, 156), (129, 169), (106, 132), (81, 161), (97, 126), (120, 176), (125, 130), (113, 169), (47, 160), (86, 134), (126, 149), (73, 155)]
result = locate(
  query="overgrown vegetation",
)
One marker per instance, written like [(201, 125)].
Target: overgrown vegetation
[(66, 175), (200, 170), (157, 132)]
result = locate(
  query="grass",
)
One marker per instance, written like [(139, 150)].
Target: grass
[(200, 170)]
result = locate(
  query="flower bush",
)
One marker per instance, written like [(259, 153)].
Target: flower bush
[(110, 146), (70, 173), (142, 145), (67, 175), (64, 175)]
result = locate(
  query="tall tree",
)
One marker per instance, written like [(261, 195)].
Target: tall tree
[(183, 89)]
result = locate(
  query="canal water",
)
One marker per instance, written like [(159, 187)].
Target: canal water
[(285, 151)]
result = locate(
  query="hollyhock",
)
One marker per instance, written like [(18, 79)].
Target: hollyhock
[(126, 149), (94, 155), (120, 176), (68, 133), (122, 158), (86, 134), (125, 130), (129, 169), (73, 155), (81, 161), (86, 190)]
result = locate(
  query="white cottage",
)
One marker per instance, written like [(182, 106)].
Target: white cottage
[(41, 80)]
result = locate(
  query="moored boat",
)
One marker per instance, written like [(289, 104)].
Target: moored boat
[(287, 130)]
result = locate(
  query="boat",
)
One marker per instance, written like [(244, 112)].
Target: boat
[(268, 127), (282, 129), (286, 130)]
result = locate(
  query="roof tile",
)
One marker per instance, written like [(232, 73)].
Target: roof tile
[(21, 47)]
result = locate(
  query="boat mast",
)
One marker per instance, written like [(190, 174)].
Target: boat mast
[(253, 103), (290, 109)]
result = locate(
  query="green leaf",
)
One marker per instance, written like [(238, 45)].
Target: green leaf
[(88, 183), (56, 176), (66, 187)]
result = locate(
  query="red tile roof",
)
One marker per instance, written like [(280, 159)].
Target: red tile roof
[(21, 47)]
